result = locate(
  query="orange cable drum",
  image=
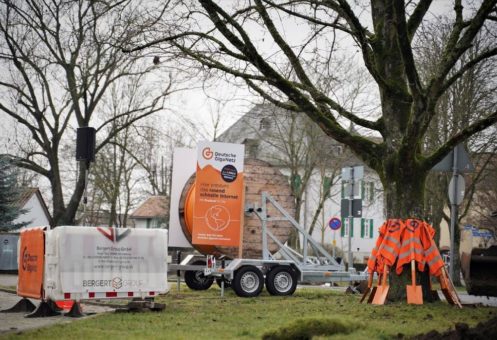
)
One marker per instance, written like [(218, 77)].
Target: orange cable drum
[(259, 176)]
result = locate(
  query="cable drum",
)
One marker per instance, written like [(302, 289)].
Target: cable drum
[(259, 176)]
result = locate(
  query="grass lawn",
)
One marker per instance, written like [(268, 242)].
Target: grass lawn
[(205, 315)]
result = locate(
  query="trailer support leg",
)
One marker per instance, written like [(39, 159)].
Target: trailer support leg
[(178, 272)]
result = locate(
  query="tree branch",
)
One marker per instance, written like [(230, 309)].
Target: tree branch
[(430, 161), (417, 17)]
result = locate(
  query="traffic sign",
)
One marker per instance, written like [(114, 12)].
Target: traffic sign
[(352, 172), (463, 162), (335, 223), (356, 208), (456, 190)]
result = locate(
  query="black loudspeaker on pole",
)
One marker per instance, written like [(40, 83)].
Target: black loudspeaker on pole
[(85, 144)]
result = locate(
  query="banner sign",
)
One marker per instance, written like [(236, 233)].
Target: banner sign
[(184, 164), (109, 259), (218, 211)]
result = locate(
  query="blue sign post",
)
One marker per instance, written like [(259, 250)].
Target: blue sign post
[(335, 223)]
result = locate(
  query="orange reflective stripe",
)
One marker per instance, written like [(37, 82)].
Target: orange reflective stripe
[(432, 255), (412, 246), (374, 261), (390, 246), (409, 253)]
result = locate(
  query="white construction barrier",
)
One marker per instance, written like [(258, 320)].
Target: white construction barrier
[(92, 263)]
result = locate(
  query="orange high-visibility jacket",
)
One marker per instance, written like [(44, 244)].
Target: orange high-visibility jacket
[(432, 255), (412, 246), (389, 248), (374, 260)]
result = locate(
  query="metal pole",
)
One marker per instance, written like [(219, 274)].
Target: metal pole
[(178, 272), (351, 199), (334, 244), (84, 220), (453, 214)]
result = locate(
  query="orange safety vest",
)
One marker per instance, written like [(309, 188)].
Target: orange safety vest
[(374, 264), (389, 248), (412, 247), (432, 255)]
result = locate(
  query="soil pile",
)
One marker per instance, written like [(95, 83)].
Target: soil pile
[(482, 331)]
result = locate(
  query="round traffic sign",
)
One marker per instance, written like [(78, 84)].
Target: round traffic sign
[(335, 223), (456, 190)]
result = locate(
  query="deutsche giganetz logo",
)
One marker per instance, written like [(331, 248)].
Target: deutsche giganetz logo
[(117, 283), (25, 257), (29, 261), (207, 153), (114, 234)]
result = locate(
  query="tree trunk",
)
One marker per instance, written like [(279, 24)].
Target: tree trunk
[(69, 213), (404, 197), (294, 240)]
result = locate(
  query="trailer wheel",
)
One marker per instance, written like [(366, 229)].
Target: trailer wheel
[(281, 280), (196, 280), (248, 281)]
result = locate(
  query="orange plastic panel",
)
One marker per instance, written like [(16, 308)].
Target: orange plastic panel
[(31, 263)]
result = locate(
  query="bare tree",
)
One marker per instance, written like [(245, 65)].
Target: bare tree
[(408, 102), (60, 61), (470, 97)]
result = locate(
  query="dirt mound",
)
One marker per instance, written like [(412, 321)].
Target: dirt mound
[(482, 331), (304, 329)]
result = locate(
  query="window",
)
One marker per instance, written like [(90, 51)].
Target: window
[(264, 124), (344, 231), (367, 191), (367, 227)]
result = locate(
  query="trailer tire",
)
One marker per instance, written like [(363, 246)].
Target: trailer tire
[(281, 281), (248, 281), (196, 280)]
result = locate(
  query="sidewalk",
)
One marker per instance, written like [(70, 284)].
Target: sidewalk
[(8, 280), (16, 322)]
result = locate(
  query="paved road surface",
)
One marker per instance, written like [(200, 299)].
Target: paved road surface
[(16, 322)]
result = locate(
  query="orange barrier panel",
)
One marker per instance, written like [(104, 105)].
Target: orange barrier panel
[(31, 263), (64, 304)]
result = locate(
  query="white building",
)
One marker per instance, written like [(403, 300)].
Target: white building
[(35, 210), (269, 133)]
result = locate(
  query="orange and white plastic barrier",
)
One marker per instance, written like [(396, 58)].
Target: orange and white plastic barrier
[(80, 263), (31, 261)]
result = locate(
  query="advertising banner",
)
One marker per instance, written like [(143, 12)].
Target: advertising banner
[(31, 263), (184, 164), (108, 259), (218, 210)]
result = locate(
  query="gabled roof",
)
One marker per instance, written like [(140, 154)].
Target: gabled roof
[(26, 194), (154, 206)]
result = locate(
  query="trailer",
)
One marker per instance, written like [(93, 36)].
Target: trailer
[(279, 270)]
